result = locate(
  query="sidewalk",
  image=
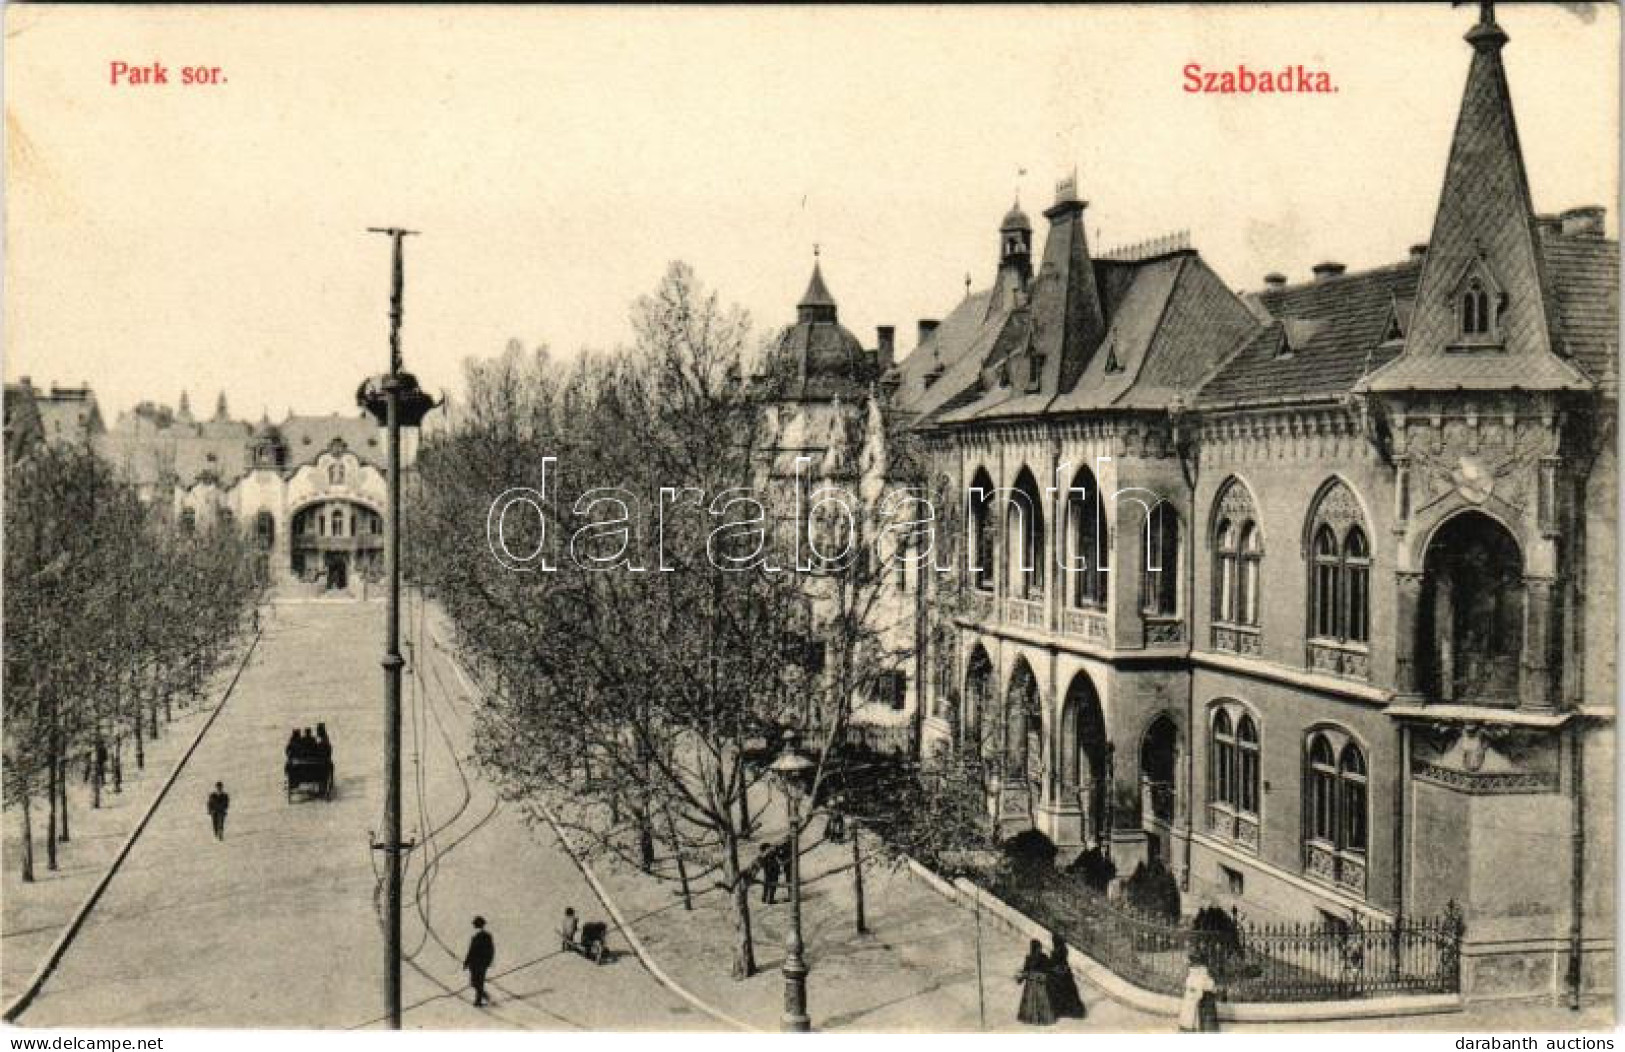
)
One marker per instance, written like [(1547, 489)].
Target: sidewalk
[(915, 969), (33, 915)]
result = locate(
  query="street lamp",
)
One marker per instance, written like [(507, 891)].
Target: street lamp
[(790, 767), (395, 400)]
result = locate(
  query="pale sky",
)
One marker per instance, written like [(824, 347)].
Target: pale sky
[(209, 238)]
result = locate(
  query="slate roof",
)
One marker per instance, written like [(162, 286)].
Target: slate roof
[(1332, 329), (957, 347), (1585, 279), (1168, 321), (188, 452)]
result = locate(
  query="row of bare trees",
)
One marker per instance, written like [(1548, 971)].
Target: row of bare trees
[(113, 620), (641, 685)]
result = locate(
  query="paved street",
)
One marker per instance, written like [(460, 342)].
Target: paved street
[(277, 926)]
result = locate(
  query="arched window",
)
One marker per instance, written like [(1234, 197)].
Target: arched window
[(335, 473), (1336, 802), (226, 519), (1328, 581), (1159, 583), (1023, 729), (983, 531), (188, 522), (975, 701), (338, 522), (265, 529), (1340, 578), (1238, 554), (1088, 539), (1224, 759), (1251, 552), (1233, 777), (1024, 531), (1475, 309)]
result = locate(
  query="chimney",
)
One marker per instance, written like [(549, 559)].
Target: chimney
[(1419, 251), (886, 348), (1275, 280), (1583, 222), (1327, 271), (928, 326)]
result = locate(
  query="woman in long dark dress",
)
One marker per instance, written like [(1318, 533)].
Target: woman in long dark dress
[(1035, 980), (1063, 988)]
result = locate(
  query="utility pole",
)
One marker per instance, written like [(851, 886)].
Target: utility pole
[(395, 401)]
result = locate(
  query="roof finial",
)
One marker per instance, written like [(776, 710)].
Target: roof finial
[(815, 252), (967, 284)]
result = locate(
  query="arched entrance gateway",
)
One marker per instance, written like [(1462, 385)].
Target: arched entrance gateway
[(336, 543), (1470, 633), (1085, 772)]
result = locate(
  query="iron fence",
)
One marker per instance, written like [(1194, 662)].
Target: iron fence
[(1330, 961)]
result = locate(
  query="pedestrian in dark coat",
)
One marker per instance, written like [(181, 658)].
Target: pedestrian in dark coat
[(770, 868), (1035, 979), (218, 803), (482, 951), (1063, 988)]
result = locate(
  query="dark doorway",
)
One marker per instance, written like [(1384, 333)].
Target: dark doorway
[(338, 577), (1471, 632), (1159, 764), (1085, 756)]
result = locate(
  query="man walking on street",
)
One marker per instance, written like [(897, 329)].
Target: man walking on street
[(218, 802), (481, 952), (769, 867)]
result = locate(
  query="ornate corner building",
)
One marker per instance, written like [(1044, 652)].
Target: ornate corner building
[(1307, 593)]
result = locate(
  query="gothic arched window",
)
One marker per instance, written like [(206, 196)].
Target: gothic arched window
[(1238, 553), (1025, 536), (1234, 763), (984, 530), (1475, 310), (1336, 810), (1339, 581), (1089, 540), (1159, 583)]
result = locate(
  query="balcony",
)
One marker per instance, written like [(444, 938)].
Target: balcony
[(1343, 870), (1235, 826), (1090, 625), (1237, 639), (1025, 613), (1345, 660), (1162, 631)]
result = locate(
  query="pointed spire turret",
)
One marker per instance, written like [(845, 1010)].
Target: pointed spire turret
[(1484, 313), (220, 407), (816, 303)]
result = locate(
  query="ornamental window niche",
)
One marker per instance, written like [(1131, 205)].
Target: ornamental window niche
[(1479, 302), (1238, 555), (1469, 643), (1233, 762), (1339, 584), (1336, 810)]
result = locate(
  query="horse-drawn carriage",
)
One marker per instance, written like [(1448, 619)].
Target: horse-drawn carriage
[(308, 765), (311, 775)]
